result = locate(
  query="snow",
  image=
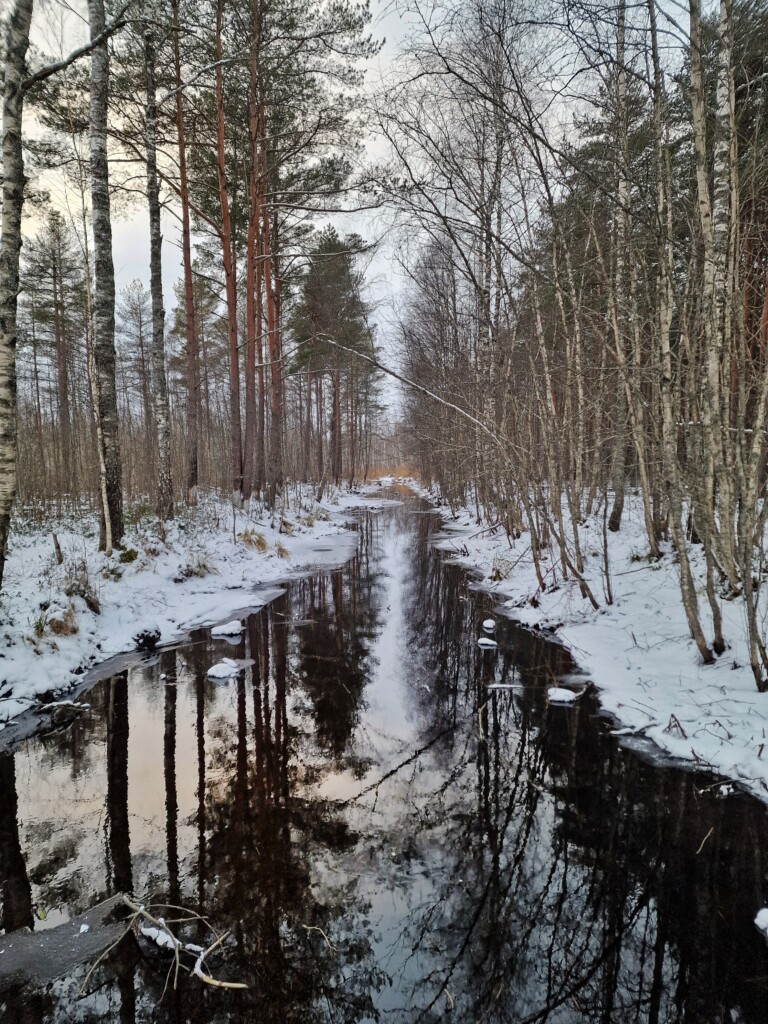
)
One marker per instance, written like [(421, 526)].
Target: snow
[(228, 667), (485, 641), (233, 628), (159, 936), (84, 928), (559, 695), (57, 621), (489, 625), (761, 920), (637, 651)]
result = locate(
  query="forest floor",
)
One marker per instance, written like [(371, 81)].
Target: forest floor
[(637, 651), (59, 620)]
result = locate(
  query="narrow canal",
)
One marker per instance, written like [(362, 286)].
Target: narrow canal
[(392, 822)]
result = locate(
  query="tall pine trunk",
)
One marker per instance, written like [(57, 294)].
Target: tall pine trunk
[(230, 283), (62, 369), (250, 455), (274, 472), (190, 325)]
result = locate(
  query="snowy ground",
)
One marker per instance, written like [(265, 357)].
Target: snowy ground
[(638, 650), (56, 621)]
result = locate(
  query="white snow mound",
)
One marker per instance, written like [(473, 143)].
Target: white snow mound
[(559, 695), (489, 625), (761, 920), (233, 628), (485, 641), (228, 667)]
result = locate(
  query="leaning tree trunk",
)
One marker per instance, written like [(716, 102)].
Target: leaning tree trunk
[(104, 274), (15, 51), (160, 390)]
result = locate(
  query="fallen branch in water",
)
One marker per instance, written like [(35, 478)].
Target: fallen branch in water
[(156, 930)]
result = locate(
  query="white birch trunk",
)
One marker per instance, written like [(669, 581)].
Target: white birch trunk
[(104, 274), (160, 383), (14, 55)]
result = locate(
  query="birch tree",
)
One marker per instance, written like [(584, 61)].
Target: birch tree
[(160, 386), (104, 284), (16, 43)]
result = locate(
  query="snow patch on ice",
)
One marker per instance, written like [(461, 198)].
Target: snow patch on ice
[(228, 667), (233, 628), (559, 695)]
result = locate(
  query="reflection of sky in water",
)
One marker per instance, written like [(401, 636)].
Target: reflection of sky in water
[(386, 833)]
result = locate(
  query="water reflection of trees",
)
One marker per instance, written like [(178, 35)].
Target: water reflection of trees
[(294, 947), (340, 615), (575, 889), (522, 867)]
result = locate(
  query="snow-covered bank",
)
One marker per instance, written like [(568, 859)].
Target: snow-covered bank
[(638, 650), (56, 621)]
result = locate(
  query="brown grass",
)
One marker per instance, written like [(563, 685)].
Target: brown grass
[(254, 539), (66, 625)]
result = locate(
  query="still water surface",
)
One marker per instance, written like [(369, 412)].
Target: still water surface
[(387, 838)]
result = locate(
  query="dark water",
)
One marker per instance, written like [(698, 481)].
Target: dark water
[(386, 838)]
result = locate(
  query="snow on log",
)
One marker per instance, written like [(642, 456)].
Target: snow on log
[(489, 625), (485, 641)]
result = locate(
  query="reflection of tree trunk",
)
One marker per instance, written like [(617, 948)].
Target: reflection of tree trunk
[(17, 893), (126, 986), (254, 651), (279, 637), (269, 773), (659, 951), (241, 802), (200, 727), (117, 786), (24, 1007), (168, 666), (337, 588)]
